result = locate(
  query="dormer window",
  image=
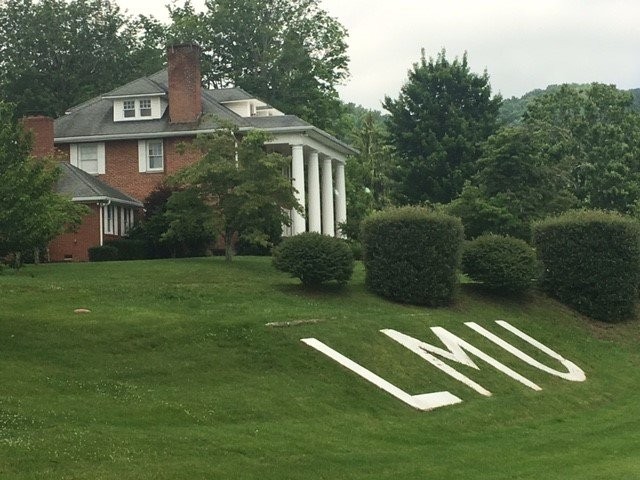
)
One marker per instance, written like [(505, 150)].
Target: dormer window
[(145, 107), (129, 108), (140, 108)]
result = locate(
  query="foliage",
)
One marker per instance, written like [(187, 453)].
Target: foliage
[(129, 248), (519, 181), (32, 214), (595, 136), (55, 53), (192, 225), (513, 109), (437, 125), (368, 183), (315, 259), (289, 53), (591, 262), (502, 264), (104, 253), (190, 236), (411, 255), (241, 184)]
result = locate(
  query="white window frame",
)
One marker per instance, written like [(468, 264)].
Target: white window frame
[(109, 219), (76, 160), (145, 111), (129, 108), (144, 158)]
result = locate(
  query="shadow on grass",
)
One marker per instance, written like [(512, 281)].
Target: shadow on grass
[(324, 290)]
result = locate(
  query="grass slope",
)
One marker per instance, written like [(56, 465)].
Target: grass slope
[(175, 376)]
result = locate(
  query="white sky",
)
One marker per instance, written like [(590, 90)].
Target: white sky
[(522, 44)]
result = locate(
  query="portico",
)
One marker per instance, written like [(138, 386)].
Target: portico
[(318, 177)]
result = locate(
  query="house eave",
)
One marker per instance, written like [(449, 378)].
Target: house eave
[(308, 130), (105, 199)]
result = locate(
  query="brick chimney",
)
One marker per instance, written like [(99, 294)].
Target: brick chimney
[(42, 130), (185, 83)]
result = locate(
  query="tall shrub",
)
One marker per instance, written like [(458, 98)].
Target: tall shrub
[(411, 255), (591, 262)]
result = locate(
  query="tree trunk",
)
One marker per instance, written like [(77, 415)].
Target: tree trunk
[(228, 246)]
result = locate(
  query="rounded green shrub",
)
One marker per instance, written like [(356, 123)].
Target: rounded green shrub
[(502, 264), (411, 255), (591, 262), (315, 259), (105, 253)]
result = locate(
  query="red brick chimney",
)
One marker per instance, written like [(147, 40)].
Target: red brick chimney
[(42, 130), (185, 83)]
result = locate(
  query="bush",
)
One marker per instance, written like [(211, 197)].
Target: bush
[(502, 264), (129, 249), (412, 255), (591, 262), (315, 259), (105, 253)]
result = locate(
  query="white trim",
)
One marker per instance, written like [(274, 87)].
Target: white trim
[(342, 147), (73, 154), (107, 199), (139, 95)]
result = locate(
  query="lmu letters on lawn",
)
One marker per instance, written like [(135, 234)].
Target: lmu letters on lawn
[(456, 351)]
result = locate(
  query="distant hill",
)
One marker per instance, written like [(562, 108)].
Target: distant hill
[(513, 108)]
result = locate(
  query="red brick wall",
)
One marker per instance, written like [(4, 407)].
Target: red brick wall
[(121, 165), (121, 161), (74, 246)]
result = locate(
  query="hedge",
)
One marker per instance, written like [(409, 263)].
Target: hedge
[(591, 262), (411, 255), (503, 264), (315, 259), (105, 253), (129, 249)]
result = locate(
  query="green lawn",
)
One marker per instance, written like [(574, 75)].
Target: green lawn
[(173, 375)]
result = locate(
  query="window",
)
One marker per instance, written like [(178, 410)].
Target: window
[(127, 220), (129, 108), (88, 157), (155, 157), (145, 107), (109, 219), (150, 156)]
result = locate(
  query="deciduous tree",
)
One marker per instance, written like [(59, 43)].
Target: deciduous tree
[(242, 184), (56, 53), (31, 213), (289, 53)]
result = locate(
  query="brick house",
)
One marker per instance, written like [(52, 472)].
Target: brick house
[(127, 140)]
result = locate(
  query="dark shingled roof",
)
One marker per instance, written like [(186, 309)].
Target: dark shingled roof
[(80, 186), (94, 118)]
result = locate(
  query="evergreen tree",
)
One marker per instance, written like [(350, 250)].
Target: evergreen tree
[(437, 125)]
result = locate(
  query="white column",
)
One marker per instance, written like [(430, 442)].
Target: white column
[(341, 198), (327, 198), (313, 183), (297, 179)]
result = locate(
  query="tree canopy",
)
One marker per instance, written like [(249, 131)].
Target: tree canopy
[(437, 125), (32, 214), (55, 54), (575, 147), (241, 183), (289, 53)]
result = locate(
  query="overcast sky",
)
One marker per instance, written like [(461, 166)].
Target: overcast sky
[(522, 44)]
